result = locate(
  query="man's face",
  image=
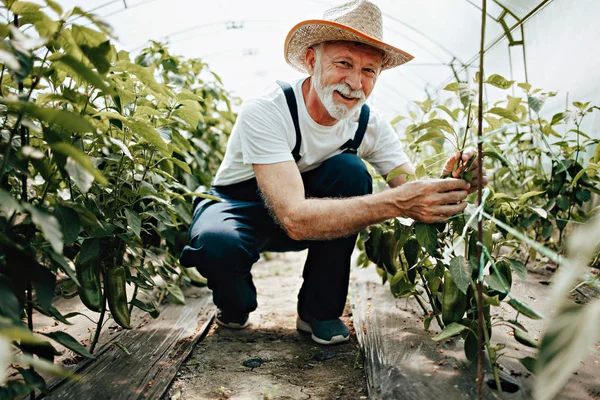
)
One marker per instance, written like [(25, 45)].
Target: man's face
[(344, 76)]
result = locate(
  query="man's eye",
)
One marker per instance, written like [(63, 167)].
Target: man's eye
[(345, 63)]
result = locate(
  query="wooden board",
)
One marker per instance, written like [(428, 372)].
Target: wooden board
[(157, 350), (403, 362)]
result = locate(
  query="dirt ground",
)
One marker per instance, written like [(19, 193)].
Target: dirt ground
[(271, 359)]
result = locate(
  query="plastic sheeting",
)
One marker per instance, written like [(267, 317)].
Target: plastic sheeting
[(243, 41)]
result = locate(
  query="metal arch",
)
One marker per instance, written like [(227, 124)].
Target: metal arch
[(495, 42)]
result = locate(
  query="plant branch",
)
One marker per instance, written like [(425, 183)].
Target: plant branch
[(480, 322)]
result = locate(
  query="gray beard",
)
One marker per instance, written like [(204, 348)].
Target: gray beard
[(325, 94)]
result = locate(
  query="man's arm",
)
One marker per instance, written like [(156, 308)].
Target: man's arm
[(283, 190)]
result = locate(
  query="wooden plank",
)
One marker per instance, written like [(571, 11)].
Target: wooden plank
[(157, 350), (403, 362)]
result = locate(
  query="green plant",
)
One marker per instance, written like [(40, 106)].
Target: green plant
[(99, 158)]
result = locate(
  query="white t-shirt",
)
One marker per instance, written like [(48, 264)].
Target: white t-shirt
[(264, 134)]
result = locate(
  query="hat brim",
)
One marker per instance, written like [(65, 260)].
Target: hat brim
[(310, 32)]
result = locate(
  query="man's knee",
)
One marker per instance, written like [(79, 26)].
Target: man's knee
[(218, 250), (348, 175)]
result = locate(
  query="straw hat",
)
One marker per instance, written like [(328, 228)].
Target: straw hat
[(356, 21)]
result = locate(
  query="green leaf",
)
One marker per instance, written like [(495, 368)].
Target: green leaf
[(499, 81), (431, 135), (24, 7), (539, 211), (176, 293), (83, 178), (494, 282), (150, 309), (191, 115), (43, 366), (436, 123), (55, 6), (86, 73), (557, 118), (529, 363), (49, 226), (524, 309), (519, 268), (397, 119), (69, 222), (122, 146), (452, 87), (184, 166), (203, 195), (427, 237), (67, 120), (525, 86), (513, 103), (449, 331), (504, 113), (69, 342), (8, 204), (134, 221), (536, 102), (9, 306), (86, 36), (570, 335), (90, 248), (81, 158), (526, 196), (461, 273), (144, 74), (149, 134), (98, 55)]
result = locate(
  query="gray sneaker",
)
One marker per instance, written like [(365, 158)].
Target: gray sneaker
[(331, 331), (231, 321)]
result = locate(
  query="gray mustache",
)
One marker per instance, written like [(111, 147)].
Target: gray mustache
[(346, 91)]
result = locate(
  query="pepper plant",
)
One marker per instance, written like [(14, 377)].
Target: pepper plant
[(540, 180), (99, 157)]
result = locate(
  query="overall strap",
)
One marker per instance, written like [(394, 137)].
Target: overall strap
[(351, 146), (291, 102)]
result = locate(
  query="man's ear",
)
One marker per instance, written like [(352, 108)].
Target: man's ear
[(310, 60)]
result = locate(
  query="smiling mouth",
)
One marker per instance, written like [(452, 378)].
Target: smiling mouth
[(345, 97)]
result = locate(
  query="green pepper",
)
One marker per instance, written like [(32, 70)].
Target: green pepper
[(388, 252), (372, 245), (117, 296), (454, 302), (195, 278), (90, 291)]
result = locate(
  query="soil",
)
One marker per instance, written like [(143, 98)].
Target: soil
[(271, 359)]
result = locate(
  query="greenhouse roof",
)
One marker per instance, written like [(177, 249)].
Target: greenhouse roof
[(242, 41)]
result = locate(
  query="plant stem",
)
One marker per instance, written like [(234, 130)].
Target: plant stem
[(480, 317), (425, 310), (430, 296), (135, 290), (101, 319)]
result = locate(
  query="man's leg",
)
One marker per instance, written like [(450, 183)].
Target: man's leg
[(327, 269), (224, 240)]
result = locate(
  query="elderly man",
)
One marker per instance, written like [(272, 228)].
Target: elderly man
[(293, 176)]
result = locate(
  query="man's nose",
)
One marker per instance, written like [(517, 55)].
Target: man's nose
[(353, 80)]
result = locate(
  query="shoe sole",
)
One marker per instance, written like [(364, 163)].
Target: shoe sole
[(232, 325), (305, 327)]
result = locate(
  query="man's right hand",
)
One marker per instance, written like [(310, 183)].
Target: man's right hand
[(431, 200)]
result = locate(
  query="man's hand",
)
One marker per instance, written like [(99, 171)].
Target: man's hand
[(465, 162), (431, 200)]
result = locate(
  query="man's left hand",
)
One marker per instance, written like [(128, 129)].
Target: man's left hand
[(456, 164)]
